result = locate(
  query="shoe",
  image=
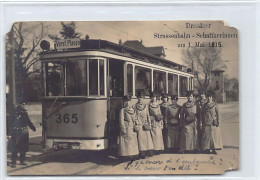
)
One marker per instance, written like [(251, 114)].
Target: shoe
[(214, 152), (23, 163)]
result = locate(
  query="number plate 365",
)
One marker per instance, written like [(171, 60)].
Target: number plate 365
[(67, 118)]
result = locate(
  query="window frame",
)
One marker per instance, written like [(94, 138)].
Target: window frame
[(134, 74), (173, 74), (64, 62), (179, 84), (166, 79)]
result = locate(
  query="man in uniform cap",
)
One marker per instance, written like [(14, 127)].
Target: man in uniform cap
[(19, 134)]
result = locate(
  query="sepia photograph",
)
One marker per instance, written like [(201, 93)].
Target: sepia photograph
[(122, 98)]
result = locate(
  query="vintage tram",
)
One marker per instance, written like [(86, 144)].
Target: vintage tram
[(84, 81)]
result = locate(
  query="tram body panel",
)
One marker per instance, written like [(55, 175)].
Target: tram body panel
[(84, 122)]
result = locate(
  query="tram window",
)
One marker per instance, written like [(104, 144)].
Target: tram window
[(183, 86), (76, 79), (173, 84), (101, 77), (93, 77), (142, 80), (130, 79), (54, 79), (191, 82), (159, 82), (116, 78)]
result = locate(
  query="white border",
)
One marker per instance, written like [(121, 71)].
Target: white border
[(240, 14)]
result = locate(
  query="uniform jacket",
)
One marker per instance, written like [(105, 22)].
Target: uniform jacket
[(128, 145), (163, 107), (144, 137), (173, 114), (19, 133), (210, 114), (154, 110)]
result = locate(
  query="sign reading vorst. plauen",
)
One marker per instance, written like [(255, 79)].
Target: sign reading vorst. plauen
[(67, 43)]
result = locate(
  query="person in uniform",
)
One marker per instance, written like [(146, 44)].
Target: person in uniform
[(157, 124), (20, 135), (189, 137), (128, 146), (145, 142), (173, 125), (202, 100), (164, 107), (211, 127)]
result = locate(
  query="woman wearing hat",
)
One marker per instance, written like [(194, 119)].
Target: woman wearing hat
[(157, 124), (211, 129), (202, 100), (173, 125), (128, 146), (145, 143), (188, 138), (164, 106)]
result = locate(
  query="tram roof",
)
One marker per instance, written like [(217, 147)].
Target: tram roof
[(119, 49)]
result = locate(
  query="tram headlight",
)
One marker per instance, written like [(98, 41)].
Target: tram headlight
[(45, 45)]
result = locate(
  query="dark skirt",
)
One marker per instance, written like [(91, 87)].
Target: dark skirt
[(19, 141)]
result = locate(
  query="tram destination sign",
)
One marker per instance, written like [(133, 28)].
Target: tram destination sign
[(67, 43)]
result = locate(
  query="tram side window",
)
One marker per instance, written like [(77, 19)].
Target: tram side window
[(142, 80), (191, 82), (183, 86), (93, 77), (130, 79), (101, 77), (54, 79), (173, 84), (76, 79), (159, 82)]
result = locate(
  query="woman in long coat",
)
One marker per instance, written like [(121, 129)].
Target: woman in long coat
[(157, 124), (189, 136), (145, 142), (200, 104), (20, 134), (164, 107), (128, 146), (173, 125), (211, 129)]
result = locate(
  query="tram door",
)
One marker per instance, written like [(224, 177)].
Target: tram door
[(116, 91)]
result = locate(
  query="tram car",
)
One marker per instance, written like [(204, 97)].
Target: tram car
[(83, 84)]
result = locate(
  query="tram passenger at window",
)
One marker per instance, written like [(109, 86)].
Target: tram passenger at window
[(163, 107), (202, 100), (173, 125), (128, 146), (189, 136), (211, 127), (145, 143), (157, 124)]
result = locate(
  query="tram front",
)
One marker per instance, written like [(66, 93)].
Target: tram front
[(74, 106)]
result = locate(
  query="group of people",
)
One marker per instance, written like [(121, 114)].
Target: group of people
[(148, 129)]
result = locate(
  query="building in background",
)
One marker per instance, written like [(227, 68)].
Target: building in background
[(217, 84)]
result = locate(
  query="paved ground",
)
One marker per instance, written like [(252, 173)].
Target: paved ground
[(78, 162)]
